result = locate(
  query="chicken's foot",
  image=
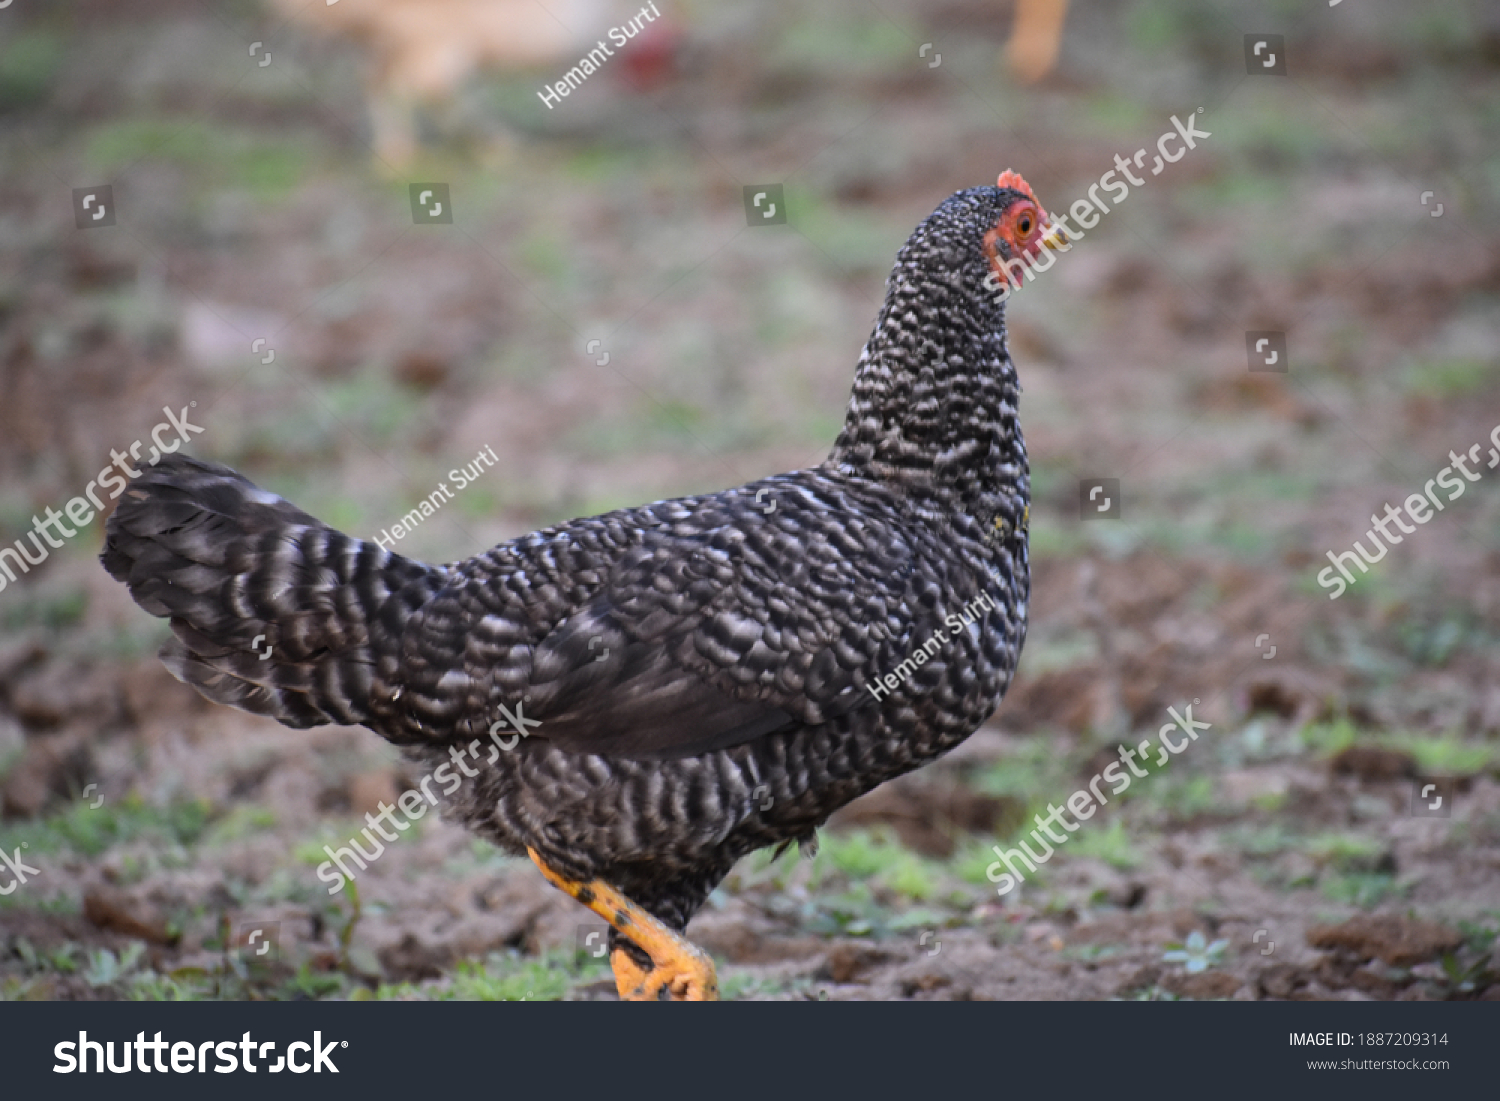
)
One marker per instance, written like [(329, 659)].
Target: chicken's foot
[(679, 972)]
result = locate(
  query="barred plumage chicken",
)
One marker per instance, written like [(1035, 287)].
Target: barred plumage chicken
[(696, 678)]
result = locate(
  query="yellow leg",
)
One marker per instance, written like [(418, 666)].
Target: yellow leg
[(1035, 39), (680, 971)]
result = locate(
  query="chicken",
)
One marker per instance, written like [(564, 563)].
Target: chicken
[(695, 679), (421, 51)]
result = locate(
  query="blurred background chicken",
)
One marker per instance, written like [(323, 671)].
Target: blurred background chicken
[(1035, 38), (422, 51)]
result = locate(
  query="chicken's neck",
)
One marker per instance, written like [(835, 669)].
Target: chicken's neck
[(933, 412)]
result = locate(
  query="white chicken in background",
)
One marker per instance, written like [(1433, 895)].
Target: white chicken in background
[(421, 51)]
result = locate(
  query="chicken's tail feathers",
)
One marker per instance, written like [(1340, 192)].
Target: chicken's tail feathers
[(273, 611)]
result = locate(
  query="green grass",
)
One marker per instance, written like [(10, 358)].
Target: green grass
[(1259, 842), (1435, 754), (734, 986), (478, 502), (242, 821), (1344, 851), (135, 638), (1167, 26), (188, 986), (1328, 738), (1111, 844), (367, 406), (370, 404), (1446, 754), (1110, 115), (504, 977), (53, 612), (104, 968), (674, 425), (58, 902), (89, 832), (853, 237), (62, 959), (833, 44), (1062, 652), (1348, 868), (1442, 28), (1029, 773), (220, 156), (971, 859), (1363, 889), (1435, 635), (29, 62), (1185, 797), (1050, 540), (1448, 378), (877, 856), (336, 833), (861, 883), (545, 252)]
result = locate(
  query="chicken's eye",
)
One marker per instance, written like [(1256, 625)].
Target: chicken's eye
[(1024, 224)]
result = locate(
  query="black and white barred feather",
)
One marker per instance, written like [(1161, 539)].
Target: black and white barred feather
[(274, 612), (700, 667)]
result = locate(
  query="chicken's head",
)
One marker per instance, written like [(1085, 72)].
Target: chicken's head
[(1021, 231)]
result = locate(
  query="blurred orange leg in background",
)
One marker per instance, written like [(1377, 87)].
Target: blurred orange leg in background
[(1034, 41)]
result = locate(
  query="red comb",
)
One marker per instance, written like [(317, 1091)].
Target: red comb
[(1013, 180)]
